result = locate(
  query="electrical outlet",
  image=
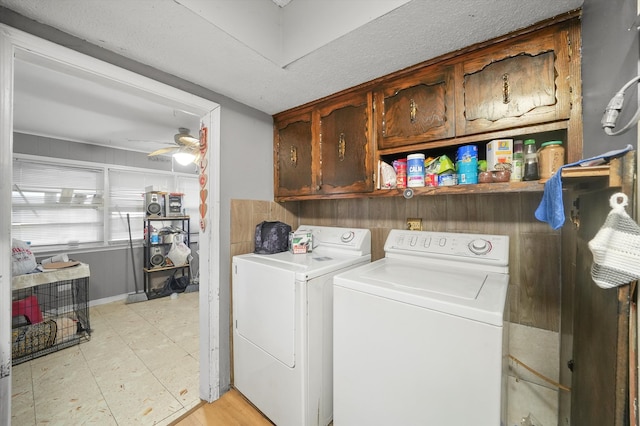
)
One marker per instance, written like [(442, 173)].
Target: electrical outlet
[(414, 224)]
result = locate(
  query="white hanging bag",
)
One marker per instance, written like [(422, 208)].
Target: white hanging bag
[(616, 247)]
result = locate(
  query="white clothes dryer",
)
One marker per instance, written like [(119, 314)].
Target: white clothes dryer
[(420, 335), (283, 323)]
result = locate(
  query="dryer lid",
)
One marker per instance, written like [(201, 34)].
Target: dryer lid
[(306, 266)]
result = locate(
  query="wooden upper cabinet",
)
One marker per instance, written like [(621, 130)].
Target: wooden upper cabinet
[(515, 83), (293, 155), (345, 135), (524, 83), (325, 148), (415, 108)]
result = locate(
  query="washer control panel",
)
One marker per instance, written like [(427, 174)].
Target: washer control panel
[(345, 239), (476, 248)]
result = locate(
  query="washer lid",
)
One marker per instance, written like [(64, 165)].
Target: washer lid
[(474, 294)]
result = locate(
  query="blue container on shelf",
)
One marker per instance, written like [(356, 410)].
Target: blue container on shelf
[(467, 164)]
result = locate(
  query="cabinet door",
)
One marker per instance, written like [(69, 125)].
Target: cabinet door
[(293, 156), (416, 108), (515, 83), (345, 145)]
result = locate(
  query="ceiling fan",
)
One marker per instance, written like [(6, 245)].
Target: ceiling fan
[(187, 149)]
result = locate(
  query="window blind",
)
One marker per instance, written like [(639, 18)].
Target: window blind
[(56, 204)]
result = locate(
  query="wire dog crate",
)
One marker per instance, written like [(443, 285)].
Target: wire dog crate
[(50, 311)]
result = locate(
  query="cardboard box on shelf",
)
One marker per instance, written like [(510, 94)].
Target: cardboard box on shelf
[(499, 151)]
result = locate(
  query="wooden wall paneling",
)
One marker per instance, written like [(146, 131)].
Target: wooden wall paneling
[(529, 202), (392, 213), (321, 213), (285, 212), (378, 238), (596, 391), (462, 213), (241, 221), (539, 288), (352, 213), (501, 214), (482, 213), (595, 321), (433, 211), (567, 292)]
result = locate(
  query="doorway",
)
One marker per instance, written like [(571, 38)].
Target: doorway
[(17, 44)]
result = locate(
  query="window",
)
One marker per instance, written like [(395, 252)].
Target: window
[(56, 203), (126, 195)]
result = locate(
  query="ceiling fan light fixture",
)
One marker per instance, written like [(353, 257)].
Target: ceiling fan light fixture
[(184, 158)]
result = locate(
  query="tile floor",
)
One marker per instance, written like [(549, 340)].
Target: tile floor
[(140, 367)]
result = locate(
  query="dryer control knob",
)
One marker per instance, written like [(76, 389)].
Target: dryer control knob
[(347, 236), (480, 246)]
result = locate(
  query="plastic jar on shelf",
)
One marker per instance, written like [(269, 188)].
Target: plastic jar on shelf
[(467, 164), (550, 158), (415, 170)]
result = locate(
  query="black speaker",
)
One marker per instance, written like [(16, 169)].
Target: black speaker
[(156, 257), (153, 204)]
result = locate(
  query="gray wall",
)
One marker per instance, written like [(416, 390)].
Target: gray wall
[(56, 148), (247, 173), (609, 59), (246, 153)]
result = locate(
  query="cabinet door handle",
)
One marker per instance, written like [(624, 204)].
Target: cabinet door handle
[(342, 147), (413, 110), (506, 95), (293, 156)]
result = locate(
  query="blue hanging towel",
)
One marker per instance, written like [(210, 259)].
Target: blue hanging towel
[(551, 208)]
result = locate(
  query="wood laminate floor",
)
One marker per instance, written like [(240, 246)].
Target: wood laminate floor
[(232, 409)]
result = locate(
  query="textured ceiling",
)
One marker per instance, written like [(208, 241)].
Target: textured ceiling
[(365, 38), (282, 3)]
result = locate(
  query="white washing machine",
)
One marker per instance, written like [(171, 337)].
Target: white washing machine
[(283, 323), (420, 335)]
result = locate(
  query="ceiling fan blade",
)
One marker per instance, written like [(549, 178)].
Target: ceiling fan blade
[(164, 151), (156, 141)]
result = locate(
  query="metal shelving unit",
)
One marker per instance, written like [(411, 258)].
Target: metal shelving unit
[(155, 253)]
